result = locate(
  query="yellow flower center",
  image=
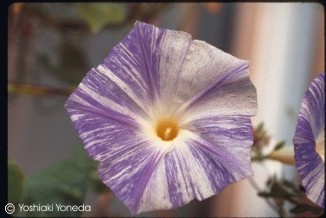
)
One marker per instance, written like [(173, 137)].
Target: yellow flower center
[(167, 129)]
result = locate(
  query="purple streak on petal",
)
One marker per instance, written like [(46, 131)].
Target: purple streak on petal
[(221, 164), (182, 63), (146, 177), (221, 150), (203, 165), (128, 173), (202, 65), (178, 170), (102, 136), (172, 170), (135, 60), (116, 90), (225, 129), (311, 122), (76, 107), (215, 84), (148, 49), (104, 96), (184, 185), (174, 49), (228, 137), (107, 114), (219, 175), (236, 95)]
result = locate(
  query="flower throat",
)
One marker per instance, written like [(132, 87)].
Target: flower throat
[(167, 129)]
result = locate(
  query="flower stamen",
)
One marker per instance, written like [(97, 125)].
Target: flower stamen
[(167, 129)]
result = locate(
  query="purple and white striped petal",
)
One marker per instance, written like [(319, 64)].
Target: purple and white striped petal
[(155, 75), (128, 171), (229, 137), (309, 138), (104, 93), (135, 60), (232, 94), (185, 173), (217, 80), (147, 176)]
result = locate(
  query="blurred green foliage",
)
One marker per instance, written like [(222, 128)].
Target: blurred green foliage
[(15, 182), (101, 14), (65, 183), (262, 140), (49, 38), (281, 190)]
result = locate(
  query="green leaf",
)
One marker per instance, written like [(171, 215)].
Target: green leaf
[(15, 182), (63, 183), (264, 194), (87, 164), (260, 127), (295, 190), (269, 181), (277, 191), (279, 145), (101, 14), (82, 160), (96, 184), (288, 184)]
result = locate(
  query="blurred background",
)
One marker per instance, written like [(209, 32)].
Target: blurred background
[(51, 46)]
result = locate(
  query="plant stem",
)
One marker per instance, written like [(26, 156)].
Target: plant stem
[(38, 90), (256, 187)]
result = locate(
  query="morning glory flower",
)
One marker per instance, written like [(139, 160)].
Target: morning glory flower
[(167, 117), (309, 141)]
